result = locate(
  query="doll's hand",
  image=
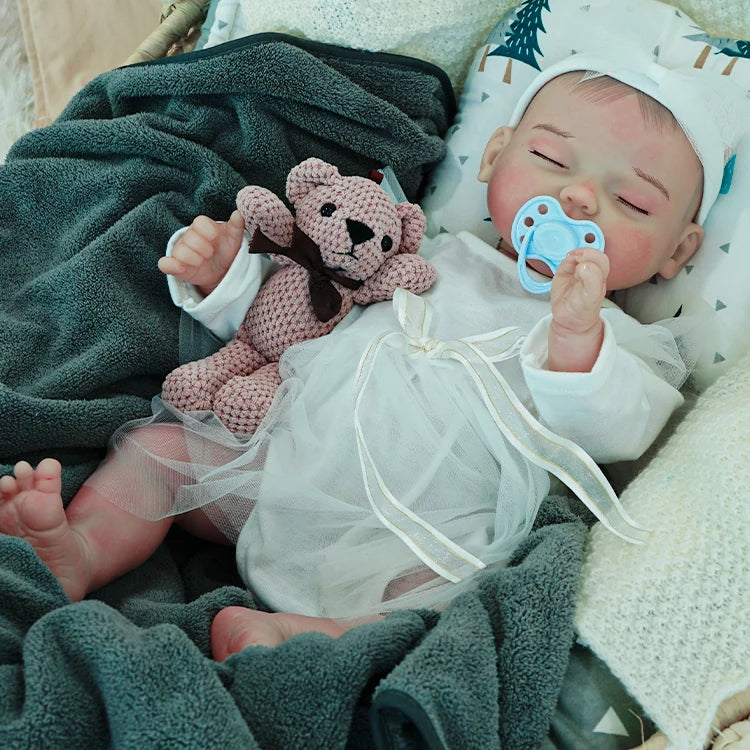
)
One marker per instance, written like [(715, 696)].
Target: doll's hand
[(578, 289), (203, 254)]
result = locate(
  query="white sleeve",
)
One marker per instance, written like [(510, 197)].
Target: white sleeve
[(613, 412), (223, 310)]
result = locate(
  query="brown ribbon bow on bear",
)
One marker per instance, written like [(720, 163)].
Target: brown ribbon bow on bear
[(325, 298)]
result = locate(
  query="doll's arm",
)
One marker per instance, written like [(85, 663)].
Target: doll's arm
[(405, 271), (223, 310), (614, 411), (578, 289)]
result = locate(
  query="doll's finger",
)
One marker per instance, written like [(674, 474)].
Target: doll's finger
[(567, 267), (196, 243), (188, 255), (236, 221), (205, 227), (590, 274), (171, 266), (590, 255)]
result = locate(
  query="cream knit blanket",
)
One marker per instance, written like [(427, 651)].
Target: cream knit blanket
[(444, 32), (672, 618)]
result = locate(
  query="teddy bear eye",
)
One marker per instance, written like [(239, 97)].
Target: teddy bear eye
[(386, 243), (327, 209)]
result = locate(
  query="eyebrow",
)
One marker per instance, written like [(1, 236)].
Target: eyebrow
[(553, 129), (653, 180)]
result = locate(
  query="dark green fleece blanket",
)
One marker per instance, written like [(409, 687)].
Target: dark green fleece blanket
[(87, 332), (130, 666)]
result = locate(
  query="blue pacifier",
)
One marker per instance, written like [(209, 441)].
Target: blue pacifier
[(542, 231)]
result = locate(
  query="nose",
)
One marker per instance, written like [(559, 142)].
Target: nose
[(358, 231), (578, 199)]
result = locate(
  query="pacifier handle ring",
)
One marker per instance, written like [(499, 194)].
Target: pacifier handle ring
[(531, 285)]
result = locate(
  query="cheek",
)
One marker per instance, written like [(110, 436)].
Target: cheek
[(508, 190), (637, 243), (631, 256)]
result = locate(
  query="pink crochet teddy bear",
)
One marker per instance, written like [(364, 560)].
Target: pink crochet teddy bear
[(349, 243)]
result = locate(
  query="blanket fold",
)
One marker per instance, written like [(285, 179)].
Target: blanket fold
[(87, 329)]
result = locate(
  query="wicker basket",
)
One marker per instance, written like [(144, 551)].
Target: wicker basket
[(177, 32)]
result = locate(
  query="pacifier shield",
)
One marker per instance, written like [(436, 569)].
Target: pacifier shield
[(542, 231)]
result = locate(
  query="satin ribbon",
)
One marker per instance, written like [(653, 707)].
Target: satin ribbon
[(558, 455)]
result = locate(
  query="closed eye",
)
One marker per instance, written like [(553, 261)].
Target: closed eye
[(546, 158), (629, 205)]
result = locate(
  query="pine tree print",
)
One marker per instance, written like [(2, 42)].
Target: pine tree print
[(497, 35), (734, 48), (517, 35)]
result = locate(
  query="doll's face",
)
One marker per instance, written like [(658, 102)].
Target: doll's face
[(641, 183)]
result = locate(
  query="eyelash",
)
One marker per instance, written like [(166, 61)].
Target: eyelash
[(631, 206), (546, 158), (628, 204)]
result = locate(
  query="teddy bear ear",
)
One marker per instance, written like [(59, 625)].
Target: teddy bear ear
[(413, 224), (308, 175)]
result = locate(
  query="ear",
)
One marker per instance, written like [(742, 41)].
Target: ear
[(495, 146), (308, 175), (413, 224), (690, 240)]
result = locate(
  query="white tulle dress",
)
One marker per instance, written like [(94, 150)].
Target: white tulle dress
[(399, 461)]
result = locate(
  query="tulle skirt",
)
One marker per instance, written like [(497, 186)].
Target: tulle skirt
[(378, 479), (294, 497)]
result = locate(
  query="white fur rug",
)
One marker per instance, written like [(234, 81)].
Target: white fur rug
[(16, 92)]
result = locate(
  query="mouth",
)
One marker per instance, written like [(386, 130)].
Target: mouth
[(350, 253)]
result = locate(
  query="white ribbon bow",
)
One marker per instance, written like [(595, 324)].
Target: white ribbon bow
[(561, 457)]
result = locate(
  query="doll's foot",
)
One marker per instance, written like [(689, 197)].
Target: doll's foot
[(31, 508), (236, 628)]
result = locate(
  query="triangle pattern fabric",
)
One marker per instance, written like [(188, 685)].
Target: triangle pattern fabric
[(610, 724)]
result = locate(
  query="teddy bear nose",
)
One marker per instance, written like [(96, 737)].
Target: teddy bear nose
[(358, 231)]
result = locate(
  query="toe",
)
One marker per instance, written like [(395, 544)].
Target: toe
[(47, 477), (8, 487), (24, 474)]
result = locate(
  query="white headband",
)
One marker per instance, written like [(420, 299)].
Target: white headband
[(710, 108)]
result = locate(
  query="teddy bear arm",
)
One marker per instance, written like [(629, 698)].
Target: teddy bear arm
[(410, 272), (262, 209)]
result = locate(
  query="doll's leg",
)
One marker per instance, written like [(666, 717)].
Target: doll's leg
[(242, 403), (193, 386), (87, 545), (134, 485)]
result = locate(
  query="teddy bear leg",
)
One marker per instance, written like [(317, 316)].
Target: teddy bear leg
[(242, 403), (193, 386)]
